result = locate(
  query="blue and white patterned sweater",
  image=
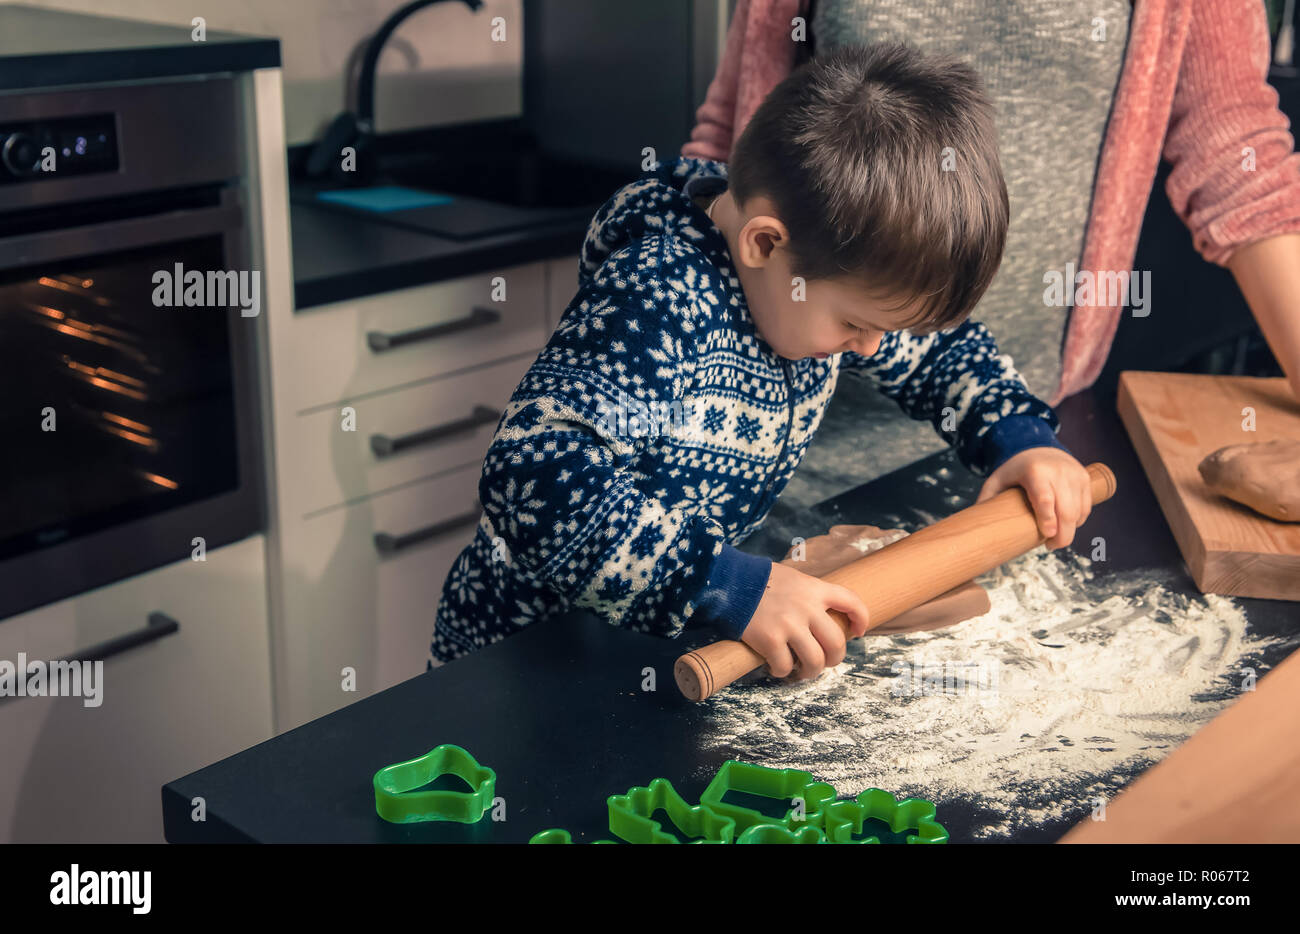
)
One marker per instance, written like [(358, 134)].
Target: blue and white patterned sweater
[(657, 428)]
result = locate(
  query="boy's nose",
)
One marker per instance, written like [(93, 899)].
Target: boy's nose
[(869, 344)]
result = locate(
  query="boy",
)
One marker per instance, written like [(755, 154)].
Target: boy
[(860, 219)]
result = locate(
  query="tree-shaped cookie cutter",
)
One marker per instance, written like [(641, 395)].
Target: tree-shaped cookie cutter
[(631, 816), (785, 785), (397, 801), (841, 820)]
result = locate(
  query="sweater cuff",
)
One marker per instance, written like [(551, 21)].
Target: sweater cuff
[(736, 584), (1015, 433)]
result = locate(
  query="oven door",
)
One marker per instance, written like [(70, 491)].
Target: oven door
[(129, 426)]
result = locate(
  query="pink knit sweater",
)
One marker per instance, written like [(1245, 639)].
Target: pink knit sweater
[(1193, 89)]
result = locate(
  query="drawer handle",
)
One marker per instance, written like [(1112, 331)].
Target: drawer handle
[(159, 625), (385, 446), (478, 318), (391, 544)]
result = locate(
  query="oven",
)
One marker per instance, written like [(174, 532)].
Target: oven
[(129, 323)]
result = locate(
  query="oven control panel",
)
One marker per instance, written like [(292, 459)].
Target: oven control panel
[(50, 149)]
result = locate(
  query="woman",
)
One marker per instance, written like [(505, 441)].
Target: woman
[(1089, 94)]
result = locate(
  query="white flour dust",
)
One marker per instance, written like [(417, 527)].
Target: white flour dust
[(1027, 711)]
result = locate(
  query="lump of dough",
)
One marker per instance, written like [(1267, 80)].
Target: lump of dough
[(1264, 476)]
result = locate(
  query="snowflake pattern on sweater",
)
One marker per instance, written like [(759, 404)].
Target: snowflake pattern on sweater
[(657, 427)]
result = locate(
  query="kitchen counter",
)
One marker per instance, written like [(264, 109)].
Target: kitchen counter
[(559, 713), (47, 48), (339, 255), (510, 203)]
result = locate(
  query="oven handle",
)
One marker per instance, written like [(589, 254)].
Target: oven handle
[(51, 246)]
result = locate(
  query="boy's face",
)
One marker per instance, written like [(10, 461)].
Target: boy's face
[(820, 318)]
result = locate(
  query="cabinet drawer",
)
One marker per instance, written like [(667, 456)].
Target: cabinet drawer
[(348, 349), (399, 436), (349, 605), (172, 705)]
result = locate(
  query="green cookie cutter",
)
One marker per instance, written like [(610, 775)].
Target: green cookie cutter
[(842, 819), (761, 781), (398, 802), (630, 816), (775, 833)]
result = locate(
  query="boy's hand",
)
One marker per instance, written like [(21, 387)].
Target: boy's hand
[(791, 624), (1058, 488)]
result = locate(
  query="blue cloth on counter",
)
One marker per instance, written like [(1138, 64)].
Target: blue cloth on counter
[(384, 198)]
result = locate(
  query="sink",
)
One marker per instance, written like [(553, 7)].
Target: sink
[(488, 179), (520, 178)]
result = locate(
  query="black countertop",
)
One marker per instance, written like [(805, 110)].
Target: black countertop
[(505, 201), (45, 48), (559, 713), (340, 255)]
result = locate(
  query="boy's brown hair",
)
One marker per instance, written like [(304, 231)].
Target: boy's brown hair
[(852, 148)]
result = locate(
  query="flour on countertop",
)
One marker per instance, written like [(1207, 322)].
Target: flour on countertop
[(1079, 690)]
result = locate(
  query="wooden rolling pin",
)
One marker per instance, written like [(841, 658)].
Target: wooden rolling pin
[(903, 575)]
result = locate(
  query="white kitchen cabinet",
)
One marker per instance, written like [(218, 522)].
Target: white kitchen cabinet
[(335, 353), (340, 608), (351, 609), (393, 438), (73, 773)]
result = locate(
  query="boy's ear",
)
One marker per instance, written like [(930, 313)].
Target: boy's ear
[(761, 237)]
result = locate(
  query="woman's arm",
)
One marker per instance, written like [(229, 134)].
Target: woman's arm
[(1268, 272), (1235, 180), (1235, 176), (711, 138), (758, 55)]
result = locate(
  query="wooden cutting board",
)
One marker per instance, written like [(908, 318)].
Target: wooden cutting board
[(1174, 420)]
